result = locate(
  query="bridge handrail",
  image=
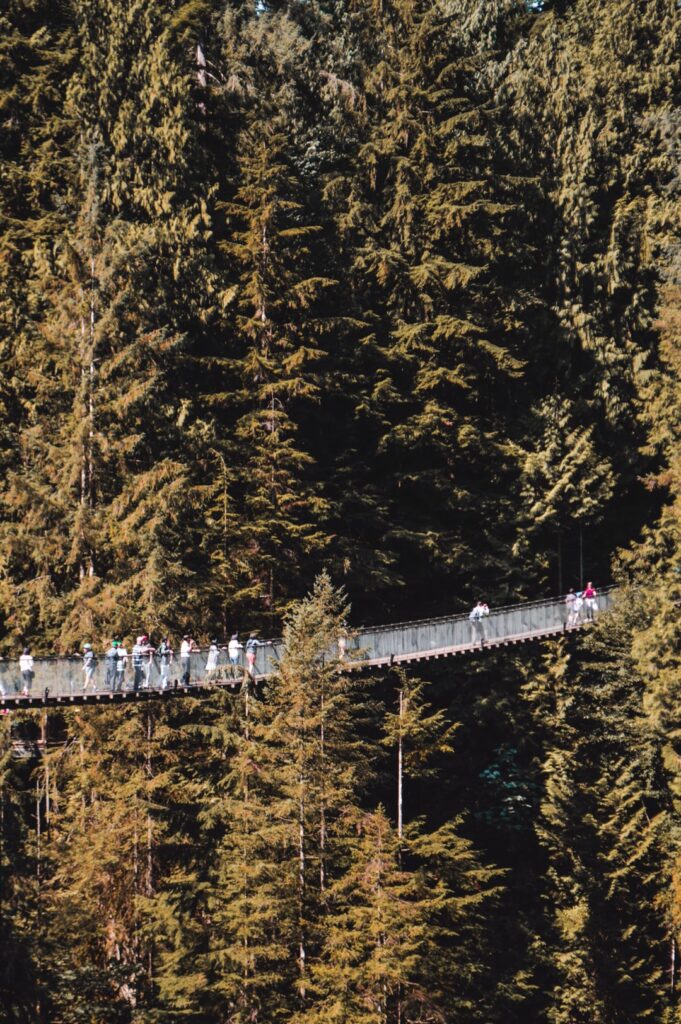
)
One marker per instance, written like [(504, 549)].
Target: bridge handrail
[(463, 616), (360, 631)]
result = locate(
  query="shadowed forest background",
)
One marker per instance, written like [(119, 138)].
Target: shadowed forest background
[(386, 295)]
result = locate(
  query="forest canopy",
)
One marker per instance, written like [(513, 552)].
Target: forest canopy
[(327, 310)]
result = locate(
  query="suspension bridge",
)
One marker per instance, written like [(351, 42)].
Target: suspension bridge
[(60, 681)]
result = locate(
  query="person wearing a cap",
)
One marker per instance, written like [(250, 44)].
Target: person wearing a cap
[(89, 665)]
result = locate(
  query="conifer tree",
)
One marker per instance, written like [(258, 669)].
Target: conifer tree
[(603, 824), (417, 736), (299, 765), (109, 491), (426, 232)]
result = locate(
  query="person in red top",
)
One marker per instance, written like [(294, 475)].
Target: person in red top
[(590, 603)]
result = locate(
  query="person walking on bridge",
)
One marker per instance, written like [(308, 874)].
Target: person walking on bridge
[(121, 664), (187, 648), (89, 665), (111, 660), (147, 660), (252, 645), (590, 603), (476, 617), (570, 601), (27, 670), (212, 659), (165, 660), (233, 649), (138, 663)]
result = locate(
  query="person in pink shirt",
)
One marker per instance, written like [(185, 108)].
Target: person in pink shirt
[(590, 602)]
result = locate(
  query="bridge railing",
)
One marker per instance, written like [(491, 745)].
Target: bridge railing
[(450, 632), (65, 677)]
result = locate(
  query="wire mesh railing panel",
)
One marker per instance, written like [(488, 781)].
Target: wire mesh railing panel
[(131, 672)]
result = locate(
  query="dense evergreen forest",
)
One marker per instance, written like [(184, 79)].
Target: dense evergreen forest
[(315, 311)]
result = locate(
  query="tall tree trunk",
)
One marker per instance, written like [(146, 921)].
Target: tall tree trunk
[(400, 766), (322, 801)]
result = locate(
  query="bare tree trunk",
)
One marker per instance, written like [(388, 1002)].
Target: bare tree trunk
[(150, 838), (87, 333), (672, 968), (581, 557), (39, 879), (400, 754), (301, 851), (38, 831), (301, 883), (244, 852), (322, 801)]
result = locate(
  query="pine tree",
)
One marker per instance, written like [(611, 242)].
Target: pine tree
[(427, 226), (604, 821), (299, 763), (417, 736), (110, 493), (386, 955)]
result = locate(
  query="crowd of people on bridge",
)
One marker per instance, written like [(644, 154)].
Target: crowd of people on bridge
[(132, 669), (143, 657), (581, 606)]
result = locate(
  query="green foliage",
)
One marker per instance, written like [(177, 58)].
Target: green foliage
[(385, 294)]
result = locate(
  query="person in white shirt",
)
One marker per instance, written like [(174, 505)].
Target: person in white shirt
[(212, 659), (475, 618), (187, 647), (233, 649), (577, 607), (122, 661), (26, 668), (570, 601), (147, 661)]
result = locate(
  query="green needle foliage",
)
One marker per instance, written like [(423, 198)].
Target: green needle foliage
[(384, 294)]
